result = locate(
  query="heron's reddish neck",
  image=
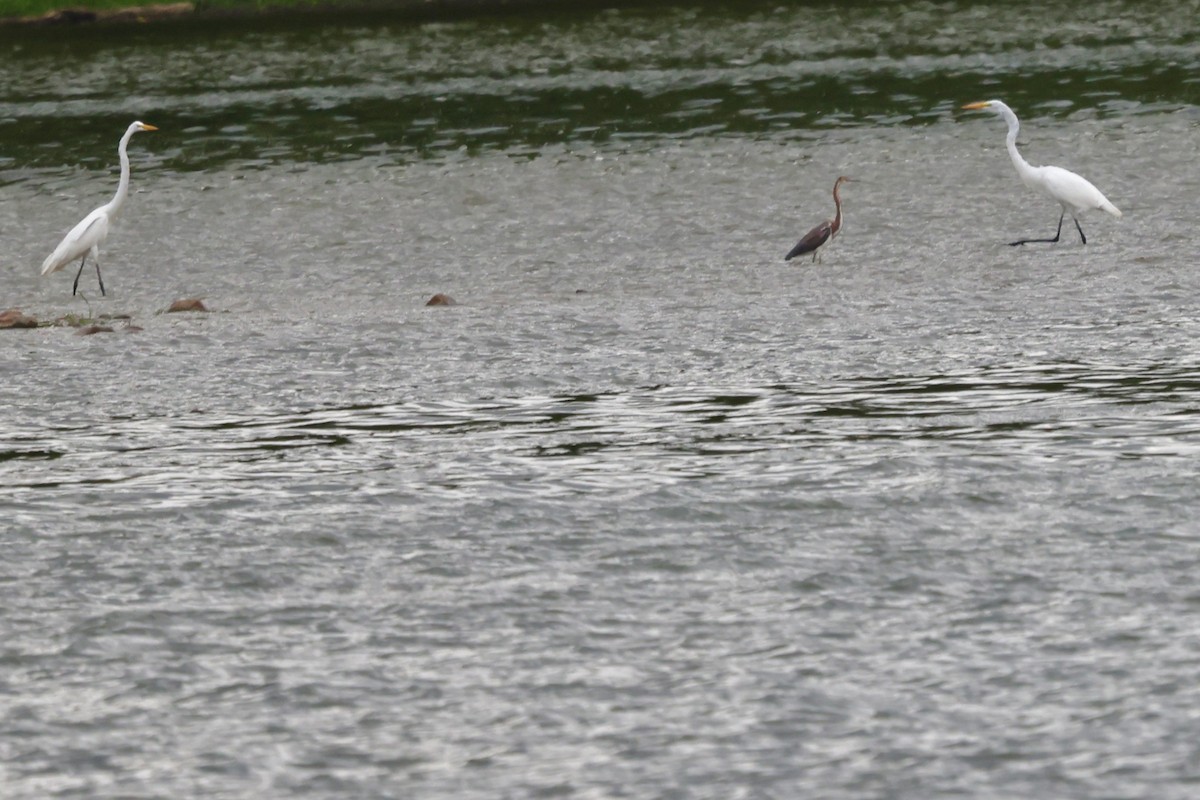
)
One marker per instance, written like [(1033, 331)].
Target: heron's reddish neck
[(837, 201)]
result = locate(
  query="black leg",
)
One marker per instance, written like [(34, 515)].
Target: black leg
[(99, 278), (1057, 233), (75, 285), (1081, 236)]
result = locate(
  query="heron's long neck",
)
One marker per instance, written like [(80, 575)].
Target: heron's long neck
[(837, 201), (1014, 127), (114, 205)]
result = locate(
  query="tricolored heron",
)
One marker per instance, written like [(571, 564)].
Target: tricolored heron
[(823, 232)]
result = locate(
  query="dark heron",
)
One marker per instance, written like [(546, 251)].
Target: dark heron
[(823, 232), (1074, 193)]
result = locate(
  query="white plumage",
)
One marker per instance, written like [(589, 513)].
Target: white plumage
[(1074, 193), (85, 238)]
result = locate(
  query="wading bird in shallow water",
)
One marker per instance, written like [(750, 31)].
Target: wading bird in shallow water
[(85, 238), (1073, 192), (823, 232)]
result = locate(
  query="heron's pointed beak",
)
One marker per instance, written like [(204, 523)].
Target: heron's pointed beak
[(975, 106), (146, 127)]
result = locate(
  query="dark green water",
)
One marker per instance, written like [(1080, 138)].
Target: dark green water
[(520, 83), (651, 513)]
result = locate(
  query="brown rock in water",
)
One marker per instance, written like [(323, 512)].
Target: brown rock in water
[(88, 330), (190, 304), (440, 299), (13, 318)]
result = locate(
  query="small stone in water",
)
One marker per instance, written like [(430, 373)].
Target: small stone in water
[(13, 318), (189, 304)]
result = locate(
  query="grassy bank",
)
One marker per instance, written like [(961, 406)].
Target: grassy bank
[(90, 10), (19, 8)]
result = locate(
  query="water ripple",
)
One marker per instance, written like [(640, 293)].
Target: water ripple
[(650, 513), (652, 435)]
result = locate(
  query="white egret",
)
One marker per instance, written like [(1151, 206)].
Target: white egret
[(823, 232), (1073, 192), (85, 238)]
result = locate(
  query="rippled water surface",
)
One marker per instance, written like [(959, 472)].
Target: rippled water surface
[(650, 513)]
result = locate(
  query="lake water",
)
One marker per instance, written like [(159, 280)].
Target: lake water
[(650, 513)]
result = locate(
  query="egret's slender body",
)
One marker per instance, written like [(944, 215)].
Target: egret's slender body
[(823, 232), (1074, 193), (85, 238)]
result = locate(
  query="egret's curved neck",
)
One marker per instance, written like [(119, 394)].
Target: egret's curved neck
[(114, 205), (1014, 127)]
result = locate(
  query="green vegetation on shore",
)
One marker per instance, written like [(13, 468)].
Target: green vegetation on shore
[(11, 10), (14, 13), (20, 9)]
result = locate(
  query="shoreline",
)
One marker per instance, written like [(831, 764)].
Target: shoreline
[(75, 15), (140, 12)]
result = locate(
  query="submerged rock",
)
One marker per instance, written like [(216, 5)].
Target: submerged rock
[(88, 330), (440, 299), (188, 304), (14, 318)]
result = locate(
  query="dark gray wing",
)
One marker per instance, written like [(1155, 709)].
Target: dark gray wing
[(811, 241)]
